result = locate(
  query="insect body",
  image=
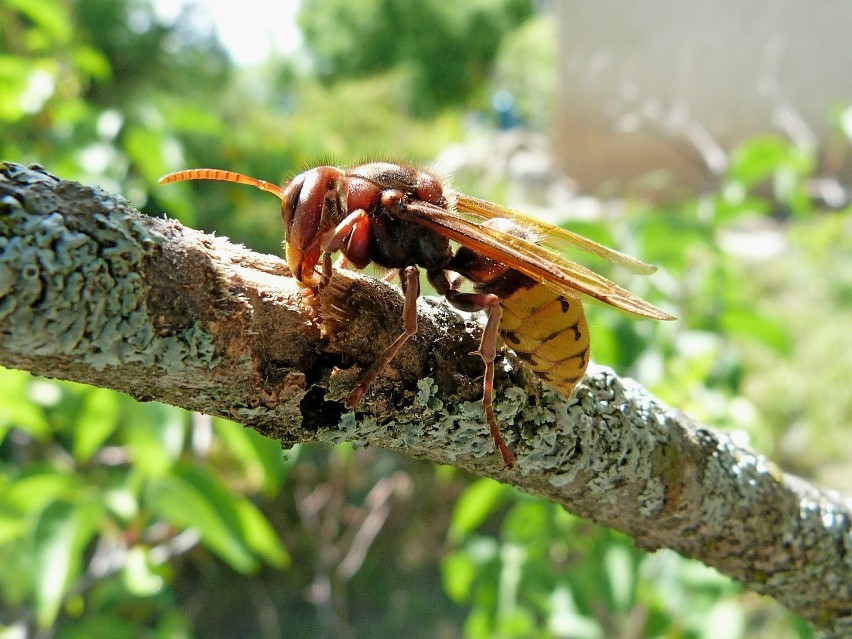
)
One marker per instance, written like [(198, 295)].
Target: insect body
[(402, 218), (546, 329)]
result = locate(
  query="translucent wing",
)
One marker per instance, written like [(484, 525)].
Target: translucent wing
[(551, 235), (531, 259)]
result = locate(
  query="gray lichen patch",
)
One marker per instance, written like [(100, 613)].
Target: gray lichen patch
[(415, 429), (589, 440), (72, 285), (599, 440)]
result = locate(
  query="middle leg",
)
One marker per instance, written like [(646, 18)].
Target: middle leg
[(410, 278)]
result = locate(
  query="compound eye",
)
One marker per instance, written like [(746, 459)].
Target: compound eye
[(290, 201)]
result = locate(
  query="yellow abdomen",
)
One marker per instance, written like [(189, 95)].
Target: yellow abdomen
[(549, 333)]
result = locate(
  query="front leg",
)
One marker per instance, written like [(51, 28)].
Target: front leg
[(352, 238)]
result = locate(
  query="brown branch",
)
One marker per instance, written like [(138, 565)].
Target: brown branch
[(93, 291)]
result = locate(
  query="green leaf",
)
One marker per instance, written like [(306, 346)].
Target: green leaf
[(14, 72), (517, 622), (61, 534), (748, 323), (189, 118), (139, 578), (758, 159), (480, 500), (458, 572), (145, 149), (527, 521), (16, 408), (243, 517), (47, 15), (31, 493), (92, 62), (621, 576), (12, 527), (155, 436), (260, 457), (479, 624), (201, 505), (97, 420), (260, 535), (112, 624)]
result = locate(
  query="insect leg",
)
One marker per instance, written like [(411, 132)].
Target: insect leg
[(410, 278), (352, 237), (327, 269), (488, 352)]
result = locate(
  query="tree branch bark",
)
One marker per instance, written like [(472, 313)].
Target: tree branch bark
[(93, 291)]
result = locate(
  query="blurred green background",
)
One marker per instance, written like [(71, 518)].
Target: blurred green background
[(123, 519)]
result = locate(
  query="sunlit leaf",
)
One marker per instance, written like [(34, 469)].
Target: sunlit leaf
[(97, 420), (480, 500), (12, 526), (201, 506), (479, 624), (757, 159), (139, 577), (61, 533), (15, 411), (517, 622), (13, 81), (748, 323), (566, 621), (725, 621), (263, 467), (621, 576), (92, 62), (736, 202), (458, 572), (155, 436), (48, 15), (32, 492)]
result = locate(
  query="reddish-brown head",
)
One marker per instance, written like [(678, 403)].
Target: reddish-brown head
[(312, 203)]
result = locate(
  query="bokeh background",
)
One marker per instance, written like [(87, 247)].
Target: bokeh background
[(711, 142)]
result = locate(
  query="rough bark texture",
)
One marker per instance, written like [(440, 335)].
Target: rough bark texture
[(93, 291)]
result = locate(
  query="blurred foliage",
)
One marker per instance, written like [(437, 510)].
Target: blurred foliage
[(447, 48), (123, 519), (530, 95), (549, 574), (98, 493)]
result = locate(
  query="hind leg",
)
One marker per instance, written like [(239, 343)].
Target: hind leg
[(489, 303)]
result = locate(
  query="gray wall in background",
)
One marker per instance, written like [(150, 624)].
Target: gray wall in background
[(673, 86)]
